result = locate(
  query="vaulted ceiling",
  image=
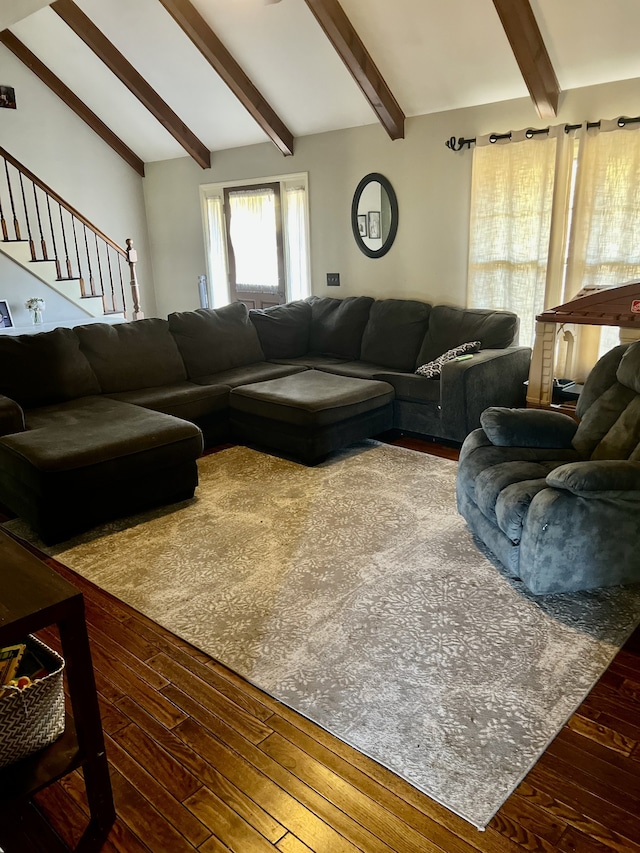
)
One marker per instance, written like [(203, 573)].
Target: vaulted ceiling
[(161, 78)]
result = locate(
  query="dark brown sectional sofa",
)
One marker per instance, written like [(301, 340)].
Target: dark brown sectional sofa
[(103, 420)]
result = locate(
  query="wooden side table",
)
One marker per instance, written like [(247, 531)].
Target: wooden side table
[(33, 596)]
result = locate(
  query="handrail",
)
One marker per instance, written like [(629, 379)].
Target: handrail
[(41, 212), (59, 200)]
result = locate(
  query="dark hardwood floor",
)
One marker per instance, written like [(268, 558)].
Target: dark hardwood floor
[(201, 760)]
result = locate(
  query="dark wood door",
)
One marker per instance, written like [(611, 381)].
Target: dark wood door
[(253, 222)]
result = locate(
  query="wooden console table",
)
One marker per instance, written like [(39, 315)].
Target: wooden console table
[(33, 596)]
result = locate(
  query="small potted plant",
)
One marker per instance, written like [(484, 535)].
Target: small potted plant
[(36, 306)]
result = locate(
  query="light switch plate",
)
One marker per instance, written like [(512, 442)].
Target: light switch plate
[(333, 279)]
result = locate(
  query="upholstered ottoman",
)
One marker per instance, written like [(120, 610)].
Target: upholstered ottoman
[(86, 461), (310, 414)]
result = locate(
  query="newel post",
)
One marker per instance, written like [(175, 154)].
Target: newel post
[(132, 259)]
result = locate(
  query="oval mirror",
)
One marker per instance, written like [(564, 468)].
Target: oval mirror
[(374, 215)]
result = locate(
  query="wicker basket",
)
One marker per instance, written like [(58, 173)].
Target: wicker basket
[(34, 717)]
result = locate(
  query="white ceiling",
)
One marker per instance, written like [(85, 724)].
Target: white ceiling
[(434, 55)]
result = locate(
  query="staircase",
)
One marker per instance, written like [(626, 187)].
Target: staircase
[(54, 242)]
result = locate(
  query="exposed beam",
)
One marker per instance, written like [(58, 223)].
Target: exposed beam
[(85, 29), (217, 55), (71, 100), (340, 32), (521, 27)]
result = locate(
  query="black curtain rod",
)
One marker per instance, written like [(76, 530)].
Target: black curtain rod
[(457, 145)]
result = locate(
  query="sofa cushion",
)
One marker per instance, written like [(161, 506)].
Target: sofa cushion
[(450, 327), (128, 356), (283, 330), (394, 333), (337, 325), (311, 399), (183, 400), (628, 373), (94, 430), (215, 339), (49, 367), (250, 373)]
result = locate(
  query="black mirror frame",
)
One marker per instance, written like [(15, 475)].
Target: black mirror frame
[(393, 202)]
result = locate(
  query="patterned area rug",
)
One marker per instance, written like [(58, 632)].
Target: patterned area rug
[(354, 593)]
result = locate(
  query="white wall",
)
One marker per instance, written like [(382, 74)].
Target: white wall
[(50, 140), (429, 257)]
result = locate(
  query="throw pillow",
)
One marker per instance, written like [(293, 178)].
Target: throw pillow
[(433, 369)]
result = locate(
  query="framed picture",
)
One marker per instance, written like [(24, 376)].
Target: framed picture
[(362, 225), (8, 97), (6, 320), (373, 219)]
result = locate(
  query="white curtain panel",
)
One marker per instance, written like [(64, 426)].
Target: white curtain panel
[(604, 247), (550, 216), (511, 204), (297, 262), (218, 279)]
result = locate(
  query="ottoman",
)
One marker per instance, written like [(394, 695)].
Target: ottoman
[(89, 460), (310, 414)]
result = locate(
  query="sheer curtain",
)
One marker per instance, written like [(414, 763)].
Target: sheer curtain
[(297, 262), (252, 228), (512, 198), (219, 281), (604, 246)]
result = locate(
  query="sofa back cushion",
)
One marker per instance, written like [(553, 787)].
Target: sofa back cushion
[(394, 333), (215, 339), (283, 330), (132, 356), (450, 327), (609, 407), (337, 325), (45, 368)]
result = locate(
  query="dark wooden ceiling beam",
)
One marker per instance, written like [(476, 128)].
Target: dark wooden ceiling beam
[(340, 32), (198, 30), (85, 29), (521, 28), (71, 100)]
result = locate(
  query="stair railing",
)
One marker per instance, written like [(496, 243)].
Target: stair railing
[(56, 231)]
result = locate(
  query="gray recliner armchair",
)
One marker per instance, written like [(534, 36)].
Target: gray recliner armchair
[(557, 501)]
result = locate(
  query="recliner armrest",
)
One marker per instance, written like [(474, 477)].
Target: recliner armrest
[(11, 416), (528, 427), (591, 478)]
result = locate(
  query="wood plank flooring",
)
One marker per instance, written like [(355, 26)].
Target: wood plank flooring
[(201, 760)]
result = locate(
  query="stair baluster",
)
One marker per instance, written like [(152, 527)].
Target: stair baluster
[(32, 247), (75, 240), (53, 241), (92, 284), (64, 243), (43, 242), (16, 224), (3, 224)]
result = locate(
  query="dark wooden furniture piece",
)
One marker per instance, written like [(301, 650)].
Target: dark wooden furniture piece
[(33, 596)]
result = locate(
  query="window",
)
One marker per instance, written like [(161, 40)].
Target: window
[(550, 216), (257, 240)]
